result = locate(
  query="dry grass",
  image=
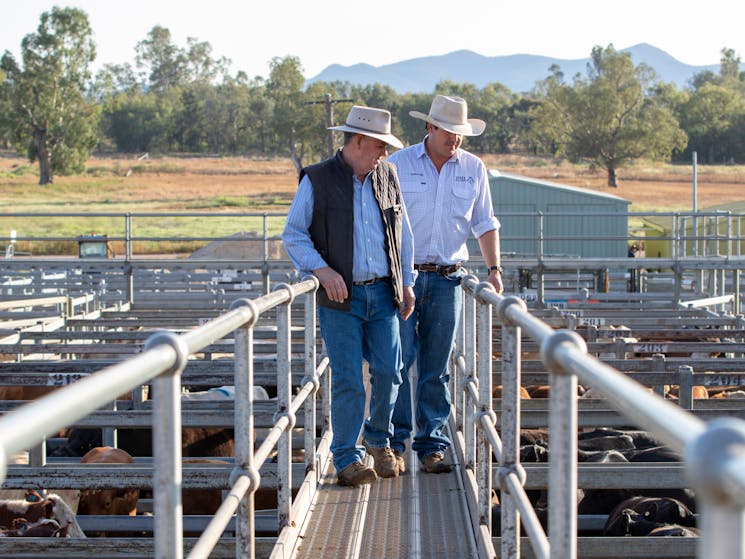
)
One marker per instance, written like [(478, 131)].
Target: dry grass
[(185, 183)]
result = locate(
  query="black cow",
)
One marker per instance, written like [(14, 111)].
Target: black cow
[(638, 516)]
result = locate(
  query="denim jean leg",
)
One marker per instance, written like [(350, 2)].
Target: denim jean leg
[(438, 320), (342, 333), (382, 349), (402, 416)]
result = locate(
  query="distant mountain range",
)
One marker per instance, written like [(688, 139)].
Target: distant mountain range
[(518, 72)]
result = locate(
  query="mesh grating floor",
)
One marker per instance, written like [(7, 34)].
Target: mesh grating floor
[(413, 515)]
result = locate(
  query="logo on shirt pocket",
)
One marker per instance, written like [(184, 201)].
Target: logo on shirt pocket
[(464, 188)]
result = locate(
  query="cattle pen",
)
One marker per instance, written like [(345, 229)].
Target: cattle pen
[(160, 326)]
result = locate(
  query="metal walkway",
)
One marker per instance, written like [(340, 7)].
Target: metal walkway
[(411, 516)]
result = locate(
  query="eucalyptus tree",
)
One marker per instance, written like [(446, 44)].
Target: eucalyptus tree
[(49, 111), (412, 129), (607, 116), (163, 64), (714, 112), (297, 124), (711, 117), (5, 106)]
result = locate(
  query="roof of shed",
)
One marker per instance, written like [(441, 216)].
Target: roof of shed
[(494, 173)]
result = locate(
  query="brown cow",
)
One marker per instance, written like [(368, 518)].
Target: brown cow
[(108, 501), (497, 392)]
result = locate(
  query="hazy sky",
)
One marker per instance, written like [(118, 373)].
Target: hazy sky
[(252, 32)]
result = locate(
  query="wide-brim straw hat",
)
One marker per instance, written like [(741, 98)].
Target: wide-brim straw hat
[(368, 121), (451, 114)]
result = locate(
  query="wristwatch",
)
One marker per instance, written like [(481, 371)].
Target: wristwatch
[(496, 269)]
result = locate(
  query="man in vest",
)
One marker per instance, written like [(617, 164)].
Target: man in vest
[(348, 226)]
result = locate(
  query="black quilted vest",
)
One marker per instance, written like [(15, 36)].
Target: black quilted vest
[(332, 225)]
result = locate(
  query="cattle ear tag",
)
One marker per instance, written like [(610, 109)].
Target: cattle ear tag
[(33, 498)]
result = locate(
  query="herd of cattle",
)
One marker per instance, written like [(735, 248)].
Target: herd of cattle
[(629, 512)]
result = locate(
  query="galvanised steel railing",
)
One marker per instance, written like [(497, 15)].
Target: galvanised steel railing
[(714, 452), (162, 361), (537, 233)]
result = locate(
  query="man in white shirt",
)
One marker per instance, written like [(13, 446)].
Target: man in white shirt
[(347, 225), (447, 196)]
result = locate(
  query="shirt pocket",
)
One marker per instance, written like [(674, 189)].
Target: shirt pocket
[(464, 196), (413, 184)]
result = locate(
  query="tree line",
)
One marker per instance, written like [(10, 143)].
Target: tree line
[(183, 99)]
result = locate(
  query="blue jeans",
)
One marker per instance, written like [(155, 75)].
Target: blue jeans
[(368, 330), (427, 337)]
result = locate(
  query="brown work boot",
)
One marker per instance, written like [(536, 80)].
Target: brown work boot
[(386, 464), (400, 460), (356, 474), (435, 464)]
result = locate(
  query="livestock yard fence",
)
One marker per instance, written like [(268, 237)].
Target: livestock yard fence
[(589, 232), (714, 452), (566, 315)]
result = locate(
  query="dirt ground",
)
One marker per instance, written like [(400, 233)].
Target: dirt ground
[(649, 188)]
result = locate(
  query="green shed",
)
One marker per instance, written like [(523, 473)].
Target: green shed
[(574, 221)]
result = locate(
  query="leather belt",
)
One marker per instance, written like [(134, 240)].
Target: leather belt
[(371, 281), (439, 268)]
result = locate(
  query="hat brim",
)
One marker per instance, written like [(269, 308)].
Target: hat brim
[(389, 139), (472, 127)]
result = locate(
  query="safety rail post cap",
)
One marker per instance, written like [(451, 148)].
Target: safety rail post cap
[(505, 304), (245, 302), (552, 342), (719, 448), (469, 278), (484, 285), (290, 416), (165, 337), (313, 278), (287, 287), (312, 379), (252, 473), (507, 470), (491, 414)]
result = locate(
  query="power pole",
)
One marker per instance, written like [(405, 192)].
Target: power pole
[(329, 117)]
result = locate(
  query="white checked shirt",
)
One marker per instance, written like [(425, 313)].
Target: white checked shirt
[(445, 207)]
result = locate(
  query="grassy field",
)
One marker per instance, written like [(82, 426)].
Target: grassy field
[(236, 185)]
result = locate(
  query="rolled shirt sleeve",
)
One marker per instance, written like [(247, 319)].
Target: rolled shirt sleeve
[(296, 235)]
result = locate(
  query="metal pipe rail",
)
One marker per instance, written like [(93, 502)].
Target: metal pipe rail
[(164, 358), (714, 452)]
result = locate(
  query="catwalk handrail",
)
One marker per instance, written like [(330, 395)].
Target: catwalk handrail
[(714, 452), (162, 361)]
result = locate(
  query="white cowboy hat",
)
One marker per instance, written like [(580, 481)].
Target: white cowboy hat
[(450, 113), (367, 121)]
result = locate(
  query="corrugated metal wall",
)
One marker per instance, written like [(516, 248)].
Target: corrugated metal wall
[(578, 222)]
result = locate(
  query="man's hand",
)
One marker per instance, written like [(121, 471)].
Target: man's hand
[(495, 278), (407, 305), (333, 283)]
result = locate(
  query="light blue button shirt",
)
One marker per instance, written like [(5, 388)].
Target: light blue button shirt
[(446, 207), (370, 255)]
